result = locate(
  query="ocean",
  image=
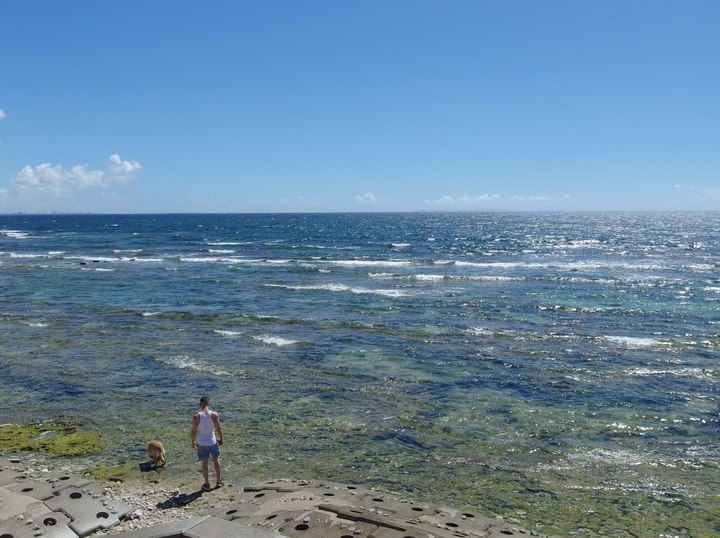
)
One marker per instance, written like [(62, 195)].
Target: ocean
[(556, 369)]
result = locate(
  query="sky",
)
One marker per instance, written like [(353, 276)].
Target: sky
[(359, 105)]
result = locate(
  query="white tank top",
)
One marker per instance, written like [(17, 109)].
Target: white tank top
[(206, 429)]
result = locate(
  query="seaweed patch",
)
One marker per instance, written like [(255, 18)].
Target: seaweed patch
[(55, 438)]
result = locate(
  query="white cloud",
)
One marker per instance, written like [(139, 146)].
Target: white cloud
[(120, 170), (2, 114), (711, 195), (467, 201), (53, 179), (366, 199)]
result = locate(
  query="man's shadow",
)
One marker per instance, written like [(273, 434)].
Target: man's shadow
[(180, 500), (176, 501)]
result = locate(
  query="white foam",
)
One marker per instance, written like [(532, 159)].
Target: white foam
[(580, 243), (227, 333), (275, 340), (431, 278), (480, 331), (343, 288), (219, 259), (698, 373), (367, 263), (37, 324), (187, 363), (15, 234), (27, 255), (106, 259), (150, 314), (633, 341), (383, 276), (440, 277), (221, 251)]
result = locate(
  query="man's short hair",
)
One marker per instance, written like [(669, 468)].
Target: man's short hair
[(205, 399)]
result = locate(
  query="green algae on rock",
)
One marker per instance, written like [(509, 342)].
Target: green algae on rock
[(114, 473), (57, 438)]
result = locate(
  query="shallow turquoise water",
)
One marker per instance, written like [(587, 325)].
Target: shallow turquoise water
[(557, 368)]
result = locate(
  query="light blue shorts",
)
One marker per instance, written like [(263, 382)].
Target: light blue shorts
[(204, 452)]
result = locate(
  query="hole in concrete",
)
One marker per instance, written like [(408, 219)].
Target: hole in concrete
[(25, 490), (271, 516), (351, 487), (329, 494), (75, 495), (6, 536), (49, 521), (15, 460), (230, 512), (451, 524), (302, 527), (259, 495), (20, 477), (347, 536), (468, 514), (507, 531), (378, 500), (102, 515), (64, 478), (417, 509)]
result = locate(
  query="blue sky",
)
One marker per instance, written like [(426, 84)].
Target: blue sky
[(365, 105)]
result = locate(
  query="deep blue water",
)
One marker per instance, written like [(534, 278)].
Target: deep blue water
[(475, 359)]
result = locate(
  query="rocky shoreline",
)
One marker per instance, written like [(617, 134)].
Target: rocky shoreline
[(31, 492), (152, 501)]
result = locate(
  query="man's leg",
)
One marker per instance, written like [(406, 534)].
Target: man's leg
[(205, 471), (218, 474)]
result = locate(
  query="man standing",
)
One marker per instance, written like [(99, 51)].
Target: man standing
[(205, 436)]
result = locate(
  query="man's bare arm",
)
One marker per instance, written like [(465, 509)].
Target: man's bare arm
[(193, 431)]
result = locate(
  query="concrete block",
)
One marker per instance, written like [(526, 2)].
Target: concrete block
[(60, 480), (392, 507), (88, 509), (36, 488), (279, 485), (340, 493), (214, 527), (266, 502), (10, 476), (12, 503), (175, 529), (385, 532), (9, 461), (460, 523), (319, 524), (38, 521), (271, 522), (358, 514), (505, 531)]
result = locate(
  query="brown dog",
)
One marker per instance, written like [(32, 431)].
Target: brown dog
[(156, 452)]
